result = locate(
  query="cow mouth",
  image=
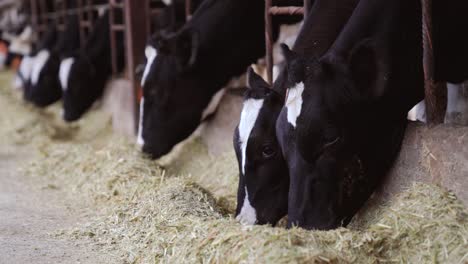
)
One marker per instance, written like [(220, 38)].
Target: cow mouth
[(154, 153)]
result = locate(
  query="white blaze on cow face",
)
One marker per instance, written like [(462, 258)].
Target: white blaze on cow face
[(294, 103), (167, 2), (248, 117), (140, 140), (151, 54), (247, 215), (41, 58), (64, 72)]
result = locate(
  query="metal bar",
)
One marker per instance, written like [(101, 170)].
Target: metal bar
[(286, 10), (436, 93), (136, 40), (117, 27), (79, 5), (35, 17), (306, 8), (188, 9), (269, 41), (90, 11), (113, 37)]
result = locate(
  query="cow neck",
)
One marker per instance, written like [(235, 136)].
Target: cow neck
[(395, 28), (48, 39), (69, 40), (229, 46), (314, 40)]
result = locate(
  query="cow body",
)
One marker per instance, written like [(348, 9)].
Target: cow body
[(345, 116), (264, 179), (84, 75)]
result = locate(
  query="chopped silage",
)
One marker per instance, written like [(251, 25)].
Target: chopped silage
[(179, 209)]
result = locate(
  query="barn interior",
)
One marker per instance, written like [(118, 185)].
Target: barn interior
[(180, 208)]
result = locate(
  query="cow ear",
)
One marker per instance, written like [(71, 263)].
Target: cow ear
[(185, 48), (364, 68), (288, 54), (255, 81), (183, 45)]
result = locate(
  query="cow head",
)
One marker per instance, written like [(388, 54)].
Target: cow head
[(262, 195), (173, 93), (323, 131), (45, 87), (81, 85)]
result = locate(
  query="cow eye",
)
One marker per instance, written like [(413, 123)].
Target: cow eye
[(268, 151)]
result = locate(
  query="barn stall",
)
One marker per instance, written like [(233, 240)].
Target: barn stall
[(180, 208)]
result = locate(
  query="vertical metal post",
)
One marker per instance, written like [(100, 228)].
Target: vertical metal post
[(306, 8), (35, 17), (90, 10), (79, 7), (268, 42), (436, 93), (148, 14), (188, 9), (113, 41), (135, 37)]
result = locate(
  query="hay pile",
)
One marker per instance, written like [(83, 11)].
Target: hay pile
[(179, 209)]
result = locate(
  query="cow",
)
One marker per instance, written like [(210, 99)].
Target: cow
[(25, 72), (185, 69), (83, 75), (263, 173), (344, 117), (45, 84), (15, 34)]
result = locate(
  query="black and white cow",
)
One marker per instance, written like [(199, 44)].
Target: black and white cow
[(27, 73), (186, 69), (345, 113), (264, 180), (45, 84), (84, 75)]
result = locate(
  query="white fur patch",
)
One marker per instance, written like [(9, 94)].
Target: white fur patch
[(140, 140), (248, 118), (64, 72), (150, 54), (41, 58), (294, 103), (167, 2), (247, 215), (25, 70), (418, 112)]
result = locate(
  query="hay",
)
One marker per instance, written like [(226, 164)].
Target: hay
[(179, 209), (23, 124)]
